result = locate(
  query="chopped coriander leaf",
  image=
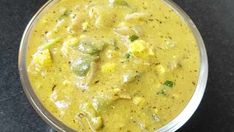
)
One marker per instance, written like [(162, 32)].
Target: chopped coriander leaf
[(169, 83), (127, 55), (133, 38)]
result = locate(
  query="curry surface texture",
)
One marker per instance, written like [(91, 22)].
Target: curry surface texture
[(113, 65)]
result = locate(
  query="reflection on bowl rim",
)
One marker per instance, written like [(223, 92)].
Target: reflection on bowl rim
[(173, 125)]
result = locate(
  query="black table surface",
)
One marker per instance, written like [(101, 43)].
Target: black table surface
[(214, 19)]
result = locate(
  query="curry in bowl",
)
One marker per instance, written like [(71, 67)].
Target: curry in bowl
[(113, 65)]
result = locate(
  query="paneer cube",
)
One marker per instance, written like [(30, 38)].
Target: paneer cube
[(138, 49), (42, 59), (103, 17), (137, 17)]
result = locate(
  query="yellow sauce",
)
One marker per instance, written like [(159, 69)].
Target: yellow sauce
[(113, 65)]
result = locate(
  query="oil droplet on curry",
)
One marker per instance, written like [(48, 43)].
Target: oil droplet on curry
[(113, 65)]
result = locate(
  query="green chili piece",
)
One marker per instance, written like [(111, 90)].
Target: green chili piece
[(50, 43), (133, 38), (169, 83)]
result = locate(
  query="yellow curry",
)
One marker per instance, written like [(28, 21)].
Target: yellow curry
[(113, 65)]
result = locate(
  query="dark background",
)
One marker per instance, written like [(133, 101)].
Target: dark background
[(214, 19)]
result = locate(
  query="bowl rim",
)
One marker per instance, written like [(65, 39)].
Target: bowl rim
[(173, 125)]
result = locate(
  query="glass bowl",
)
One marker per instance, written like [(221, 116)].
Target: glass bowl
[(173, 125)]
